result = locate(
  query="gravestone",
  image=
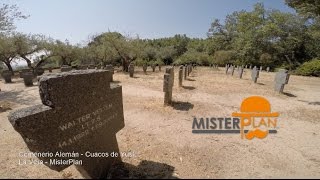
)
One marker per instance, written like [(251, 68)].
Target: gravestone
[(65, 68), (250, 66), (260, 68), (110, 68), (268, 69), (81, 112), (21, 73), (159, 67), (255, 74), (180, 75), (7, 75), (131, 70), (153, 68), (168, 82), (232, 70), (227, 68), (145, 67), (240, 72), (246, 67), (185, 72), (28, 79), (281, 79)]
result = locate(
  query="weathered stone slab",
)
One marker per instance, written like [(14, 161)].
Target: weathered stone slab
[(131, 70), (145, 67), (268, 69), (81, 113), (168, 85), (240, 72), (153, 67), (185, 72), (28, 79), (180, 75), (260, 68), (7, 76), (281, 79), (232, 70), (227, 68), (255, 74), (21, 73), (159, 67), (110, 68)]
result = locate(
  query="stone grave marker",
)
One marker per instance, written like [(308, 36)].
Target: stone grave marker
[(227, 69), (255, 74), (21, 73), (168, 85), (240, 72), (185, 72), (180, 75), (159, 67), (7, 76), (260, 68), (131, 70), (232, 70), (28, 79), (268, 69), (110, 68), (145, 67), (281, 79), (153, 67), (250, 67), (81, 112)]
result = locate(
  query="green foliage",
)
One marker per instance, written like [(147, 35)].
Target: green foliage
[(224, 57), (310, 68), (306, 7)]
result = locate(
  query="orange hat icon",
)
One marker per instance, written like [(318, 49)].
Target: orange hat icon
[(256, 106)]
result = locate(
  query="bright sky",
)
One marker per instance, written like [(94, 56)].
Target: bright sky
[(75, 20)]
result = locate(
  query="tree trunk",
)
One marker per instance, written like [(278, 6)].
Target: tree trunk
[(9, 67), (28, 62)]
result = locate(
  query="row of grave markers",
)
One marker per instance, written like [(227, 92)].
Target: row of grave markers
[(168, 81), (281, 78)]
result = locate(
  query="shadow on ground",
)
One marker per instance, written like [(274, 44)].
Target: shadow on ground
[(16, 97), (289, 94), (145, 170), (188, 87), (182, 106), (189, 79)]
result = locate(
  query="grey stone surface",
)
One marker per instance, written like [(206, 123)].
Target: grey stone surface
[(254, 74), (153, 67), (232, 70), (260, 68), (168, 82), (268, 69), (281, 79), (240, 72), (250, 67), (81, 112), (227, 68), (28, 79), (110, 68), (159, 67), (185, 72), (145, 67), (131, 70), (21, 73), (180, 75), (7, 76)]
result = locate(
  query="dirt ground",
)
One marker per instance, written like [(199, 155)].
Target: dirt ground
[(161, 137)]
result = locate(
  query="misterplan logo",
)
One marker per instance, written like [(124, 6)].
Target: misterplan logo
[(255, 120)]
